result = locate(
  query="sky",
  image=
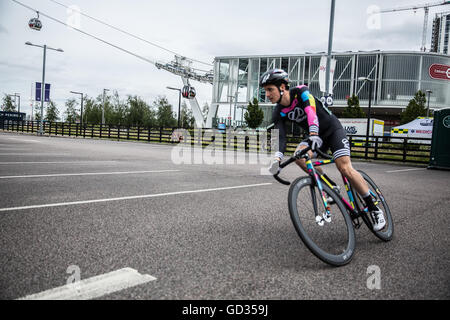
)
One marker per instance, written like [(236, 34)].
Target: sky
[(198, 29)]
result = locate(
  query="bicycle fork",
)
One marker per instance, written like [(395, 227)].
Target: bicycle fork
[(326, 216)]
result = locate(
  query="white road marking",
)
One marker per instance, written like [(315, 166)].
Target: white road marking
[(402, 170), (84, 174), (58, 162), (35, 154), (18, 139), (131, 197), (94, 287)]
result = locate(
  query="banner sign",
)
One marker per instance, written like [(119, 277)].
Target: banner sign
[(439, 71), (322, 74), (39, 93)]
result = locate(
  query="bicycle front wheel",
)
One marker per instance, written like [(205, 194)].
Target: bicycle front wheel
[(333, 242)]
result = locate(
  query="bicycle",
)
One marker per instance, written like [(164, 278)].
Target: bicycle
[(328, 235)]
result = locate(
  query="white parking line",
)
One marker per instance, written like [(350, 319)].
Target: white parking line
[(402, 170), (84, 174), (131, 197), (94, 287)]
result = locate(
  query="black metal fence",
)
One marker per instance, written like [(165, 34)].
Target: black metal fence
[(414, 150)]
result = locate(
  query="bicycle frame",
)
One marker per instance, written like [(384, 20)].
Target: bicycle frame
[(354, 211)]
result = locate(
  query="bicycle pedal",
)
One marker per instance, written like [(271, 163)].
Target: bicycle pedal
[(326, 217)]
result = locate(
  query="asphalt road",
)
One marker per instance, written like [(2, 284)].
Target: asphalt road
[(218, 231)]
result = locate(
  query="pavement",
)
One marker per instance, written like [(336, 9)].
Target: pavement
[(201, 231)]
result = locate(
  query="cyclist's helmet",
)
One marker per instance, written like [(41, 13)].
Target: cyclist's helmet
[(275, 77)]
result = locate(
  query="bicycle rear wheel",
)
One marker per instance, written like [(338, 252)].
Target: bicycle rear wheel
[(333, 242), (387, 232)]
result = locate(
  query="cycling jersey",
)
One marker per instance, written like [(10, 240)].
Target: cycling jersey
[(313, 117)]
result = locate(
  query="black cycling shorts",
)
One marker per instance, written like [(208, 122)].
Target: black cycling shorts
[(336, 141)]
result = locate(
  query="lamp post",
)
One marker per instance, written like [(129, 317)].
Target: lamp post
[(81, 116), (45, 47), (428, 107), (368, 111), (103, 109), (179, 103)]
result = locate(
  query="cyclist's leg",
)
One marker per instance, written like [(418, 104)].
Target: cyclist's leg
[(344, 165), (340, 147)]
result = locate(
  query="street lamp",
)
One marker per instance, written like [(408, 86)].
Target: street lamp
[(45, 47), (428, 107), (81, 116), (368, 111), (103, 109), (179, 102)]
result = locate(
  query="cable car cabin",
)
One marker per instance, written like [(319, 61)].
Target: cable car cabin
[(35, 24), (188, 92)]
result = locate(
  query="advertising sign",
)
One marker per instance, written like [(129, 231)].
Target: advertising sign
[(439, 71)]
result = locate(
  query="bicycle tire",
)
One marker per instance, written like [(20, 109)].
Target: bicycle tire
[(334, 259), (387, 232)]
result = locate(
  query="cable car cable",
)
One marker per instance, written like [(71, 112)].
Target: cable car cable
[(129, 34), (90, 35)]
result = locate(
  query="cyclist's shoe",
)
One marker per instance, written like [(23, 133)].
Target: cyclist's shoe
[(378, 217)]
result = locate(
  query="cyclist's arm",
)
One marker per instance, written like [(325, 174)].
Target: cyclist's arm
[(311, 112)]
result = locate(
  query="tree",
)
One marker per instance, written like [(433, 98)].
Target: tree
[(416, 108), (37, 112), (140, 113), (254, 114), (119, 111), (92, 112), (353, 110), (7, 104), (52, 112), (187, 118), (164, 113), (71, 113)]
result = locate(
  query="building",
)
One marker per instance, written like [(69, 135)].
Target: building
[(397, 77), (440, 33)]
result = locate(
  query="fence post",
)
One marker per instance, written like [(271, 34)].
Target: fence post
[(160, 134), (148, 135), (405, 144), (139, 133), (109, 131), (118, 132), (101, 127), (376, 148)]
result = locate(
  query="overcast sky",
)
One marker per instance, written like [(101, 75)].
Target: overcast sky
[(200, 29)]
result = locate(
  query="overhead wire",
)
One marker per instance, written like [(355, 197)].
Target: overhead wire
[(88, 34), (126, 32)]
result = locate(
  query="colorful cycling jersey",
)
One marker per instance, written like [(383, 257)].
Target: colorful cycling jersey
[(307, 111)]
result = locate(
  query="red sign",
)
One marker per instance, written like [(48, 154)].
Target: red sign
[(439, 71)]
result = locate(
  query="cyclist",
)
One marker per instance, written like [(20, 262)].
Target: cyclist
[(325, 132)]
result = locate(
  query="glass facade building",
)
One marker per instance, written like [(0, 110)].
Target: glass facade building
[(397, 77)]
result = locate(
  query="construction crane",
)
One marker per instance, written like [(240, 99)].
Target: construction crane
[(425, 19)]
